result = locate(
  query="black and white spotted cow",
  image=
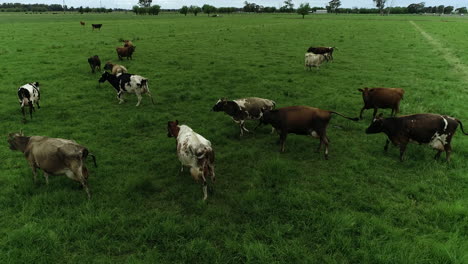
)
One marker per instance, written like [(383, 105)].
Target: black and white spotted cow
[(29, 94), (127, 83), (435, 130), (249, 108)]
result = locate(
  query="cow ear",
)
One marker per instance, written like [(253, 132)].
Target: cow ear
[(177, 122)]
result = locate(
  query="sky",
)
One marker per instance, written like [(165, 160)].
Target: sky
[(173, 4)]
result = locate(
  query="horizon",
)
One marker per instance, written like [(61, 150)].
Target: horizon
[(176, 4)]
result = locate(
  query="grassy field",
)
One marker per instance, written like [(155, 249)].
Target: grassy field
[(360, 206)]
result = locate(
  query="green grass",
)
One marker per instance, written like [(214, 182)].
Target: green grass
[(360, 206)]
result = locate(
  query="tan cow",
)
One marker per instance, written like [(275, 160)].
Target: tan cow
[(54, 156)]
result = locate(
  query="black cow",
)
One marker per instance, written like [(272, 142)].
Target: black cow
[(94, 63), (96, 26), (127, 83), (435, 130)]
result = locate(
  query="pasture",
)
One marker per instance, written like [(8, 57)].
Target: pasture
[(361, 206)]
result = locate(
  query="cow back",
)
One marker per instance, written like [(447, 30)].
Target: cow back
[(383, 97)]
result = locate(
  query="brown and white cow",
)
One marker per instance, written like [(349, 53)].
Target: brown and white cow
[(54, 156), (301, 120), (250, 108), (375, 98), (193, 151), (435, 130)]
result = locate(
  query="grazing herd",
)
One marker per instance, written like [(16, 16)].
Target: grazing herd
[(62, 156)]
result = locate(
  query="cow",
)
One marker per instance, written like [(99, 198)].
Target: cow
[(96, 26), (193, 151), (128, 43), (125, 52), (115, 68), (127, 83), (29, 94), (94, 63), (313, 60), (433, 129), (301, 120), (53, 156), (82, 23), (249, 108), (328, 51), (375, 98)]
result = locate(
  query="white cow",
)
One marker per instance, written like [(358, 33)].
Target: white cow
[(314, 60), (29, 94), (193, 151)]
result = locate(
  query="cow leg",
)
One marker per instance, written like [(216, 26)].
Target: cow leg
[(386, 145), (46, 177), (360, 114), (120, 97), (437, 155), (205, 187), (324, 140), (38, 106), (139, 98), (242, 123), (402, 150), (149, 94), (31, 107), (34, 168), (283, 137), (22, 110), (448, 150)]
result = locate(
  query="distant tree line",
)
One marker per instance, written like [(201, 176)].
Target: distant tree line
[(18, 7)]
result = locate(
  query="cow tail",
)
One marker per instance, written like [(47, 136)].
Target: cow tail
[(85, 155), (350, 118), (461, 126), (94, 159)]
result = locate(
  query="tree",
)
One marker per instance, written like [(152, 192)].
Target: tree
[(154, 10), (80, 10), (334, 5), (207, 9), (440, 9), (416, 8), (448, 9), (194, 9), (303, 9), (380, 4), (461, 10), (144, 3), (249, 7), (184, 10), (288, 6)]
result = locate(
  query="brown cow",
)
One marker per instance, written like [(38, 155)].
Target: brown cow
[(54, 156), (435, 130), (375, 98), (82, 23), (94, 63), (301, 120), (125, 52)]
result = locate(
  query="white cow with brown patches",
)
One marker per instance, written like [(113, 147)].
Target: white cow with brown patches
[(250, 108), (193, 151), (435, 130)]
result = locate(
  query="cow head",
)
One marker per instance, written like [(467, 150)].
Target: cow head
[(173, 128), (220, 105), (376, 126), (268, 116), (365, 93), (104, 77), (18, 141), (108, 66)]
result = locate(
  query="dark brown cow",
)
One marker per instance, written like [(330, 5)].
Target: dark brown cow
[(96, 26), (125, 52), (435, 130), (375, 98), (94, 63), (82, 23), (326, 51), (301, 120)]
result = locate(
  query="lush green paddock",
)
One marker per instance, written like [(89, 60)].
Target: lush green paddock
[(360, 206)]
